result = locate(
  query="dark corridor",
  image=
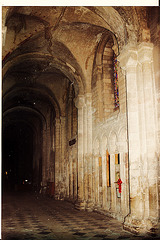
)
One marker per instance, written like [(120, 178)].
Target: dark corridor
[(17, 154)]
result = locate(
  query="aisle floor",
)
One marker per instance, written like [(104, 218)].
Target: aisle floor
[(34, 217)]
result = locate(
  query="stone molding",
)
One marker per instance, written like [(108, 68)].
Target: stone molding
[(131, 55), (101, 131), (128, 57), (145, 52), (79, 101)]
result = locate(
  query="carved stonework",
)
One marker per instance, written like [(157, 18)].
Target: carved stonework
[(145, 52), (128, 56), (79, 101)]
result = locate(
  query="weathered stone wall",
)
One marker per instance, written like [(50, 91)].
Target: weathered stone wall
[(154, 23), (111, 137)]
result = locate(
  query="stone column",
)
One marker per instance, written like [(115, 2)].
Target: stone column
[(96, 174), (79, 103), (44, 178), (48, 150), (104, 178), (89, 150), (150, 166), (57, 157), (4, 28), (63, 148), (71, 175), (93, 180), (46, 155), (136, 61), (85, 152), (113, 184), (67, 179)]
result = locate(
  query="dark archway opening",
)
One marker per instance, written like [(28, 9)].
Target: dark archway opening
[(17, 154)]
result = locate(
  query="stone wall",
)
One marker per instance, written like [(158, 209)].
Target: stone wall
[(111, 138)]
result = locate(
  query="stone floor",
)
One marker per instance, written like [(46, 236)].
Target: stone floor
[(34, 217)]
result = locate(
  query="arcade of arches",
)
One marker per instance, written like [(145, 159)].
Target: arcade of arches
[(80, 107)]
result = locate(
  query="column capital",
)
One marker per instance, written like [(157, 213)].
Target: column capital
[(128, 56), (57, 121), (79, 101), (145, 52)]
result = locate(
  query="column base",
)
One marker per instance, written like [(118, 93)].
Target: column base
[(97, 207), (80, 205), (89, 206), (56, 197), (139, 226)]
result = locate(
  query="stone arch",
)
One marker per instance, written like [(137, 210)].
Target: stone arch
[(26, 109), (128, 19), (107, 38), (122, 133), (38, 90), (71, 73), (51, 63), (104, 143), (108, 14), (14, 120), (96, 146), (112, 141), (102, 76), (122, 139), (31, 96)]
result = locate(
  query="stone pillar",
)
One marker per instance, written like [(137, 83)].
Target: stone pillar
[(85, 152), (46, 155), (75, 173), (123, 150), (4, 28), (93, 180), (96, 160), (67, 179), (63, 148), (57, 157), (113, 184), (71, 175), (79, 103), (89, 150), (48, 150), (84, 105), (145, 57), (104, 178), (44, 180), (137, 63)]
